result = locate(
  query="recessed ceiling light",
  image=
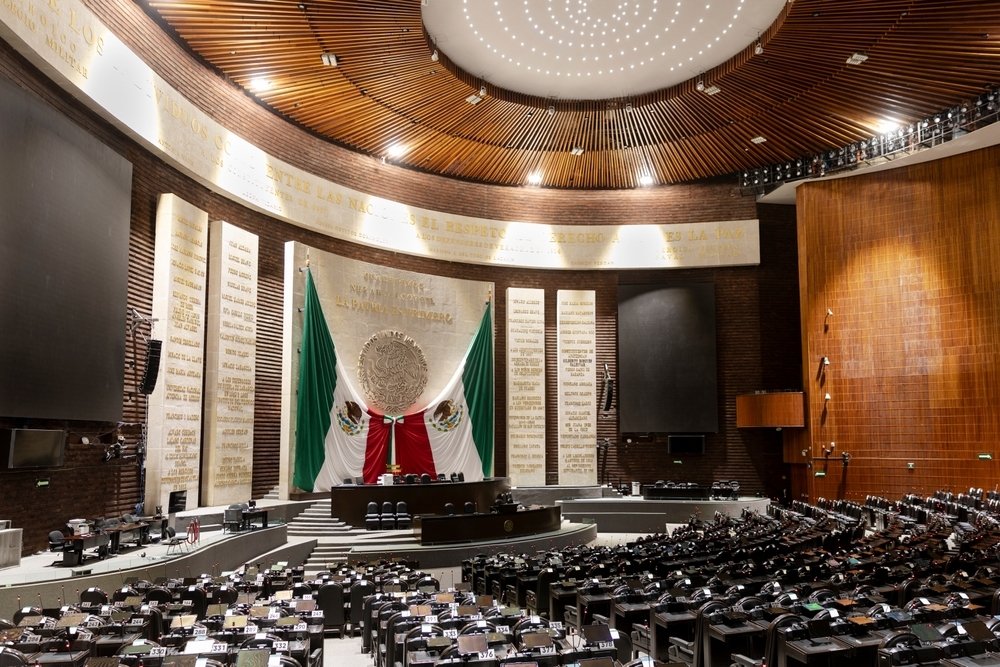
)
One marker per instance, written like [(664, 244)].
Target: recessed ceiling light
[(259, 83), (857, 59), (645, 180), (534, 178), (758, 140), (329, 59), (576, 150)]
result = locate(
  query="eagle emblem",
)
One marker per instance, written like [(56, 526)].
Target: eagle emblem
[(447, 416), (350, 418)]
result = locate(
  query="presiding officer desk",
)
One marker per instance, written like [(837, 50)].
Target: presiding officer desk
[(349, 502)]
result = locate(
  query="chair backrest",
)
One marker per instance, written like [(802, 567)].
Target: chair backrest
[(425, 478), (401, 507), (330, 598), (461, 476), (56, 538), (387, 507), (373, 507), (449, 508), (470, 507)]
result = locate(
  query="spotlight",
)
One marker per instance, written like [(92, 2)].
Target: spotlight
[(827, 397), (758, 48), (551, 110), (434, 56), (700, 86), (826, 361), (482, 90)]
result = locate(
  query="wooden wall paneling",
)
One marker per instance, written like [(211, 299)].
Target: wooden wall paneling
[(903, 261)]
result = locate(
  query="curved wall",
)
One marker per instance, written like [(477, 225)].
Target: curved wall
[(758, 338)]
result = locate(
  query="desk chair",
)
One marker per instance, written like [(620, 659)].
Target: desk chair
[(330, 599), (176, 543), (93, 596), (403, 520), (372, 517), (387, 520)]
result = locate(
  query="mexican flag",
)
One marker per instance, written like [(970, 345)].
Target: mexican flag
[(455, 432), (336, 436)]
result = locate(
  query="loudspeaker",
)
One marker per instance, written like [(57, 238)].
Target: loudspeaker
[(152, 370)]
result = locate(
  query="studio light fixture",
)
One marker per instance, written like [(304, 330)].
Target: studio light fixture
[(551, 110), (645, 180), (827, 397)]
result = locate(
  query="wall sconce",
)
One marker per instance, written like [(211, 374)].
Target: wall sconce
[(829, 450), (827, 396), (826, 361), (829, 312)]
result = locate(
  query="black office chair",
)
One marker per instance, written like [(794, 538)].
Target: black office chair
[(461, 476), (403, 520), (470, 507), (330, 598), (387, 520), (449, 509), (57, 541), (425, 478), (11, 657), (372, 516), (93, 596)]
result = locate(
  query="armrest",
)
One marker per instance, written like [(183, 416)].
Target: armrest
[(685, 644), (743, 661)]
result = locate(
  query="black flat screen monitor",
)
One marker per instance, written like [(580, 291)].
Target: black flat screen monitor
[(32, 447), (596, 634)]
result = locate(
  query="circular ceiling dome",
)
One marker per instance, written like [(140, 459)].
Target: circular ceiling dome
[(593, 49)]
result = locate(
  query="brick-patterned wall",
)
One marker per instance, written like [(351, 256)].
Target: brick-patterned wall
[(757, 312), (907, 262)]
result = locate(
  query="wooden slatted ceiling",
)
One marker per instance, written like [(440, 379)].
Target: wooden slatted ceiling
[(924, 56)]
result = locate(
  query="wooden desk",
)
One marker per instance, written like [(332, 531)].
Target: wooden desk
[(127, 532), (349, 502), (75, 545), (444, 528)]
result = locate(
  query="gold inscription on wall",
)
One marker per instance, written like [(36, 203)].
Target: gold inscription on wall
[(526, 386), (179, 302), (391, 296), (576, 347), (231, 357)]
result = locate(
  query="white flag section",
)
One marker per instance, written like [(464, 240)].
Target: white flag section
[(346, 443), (338, 438)]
